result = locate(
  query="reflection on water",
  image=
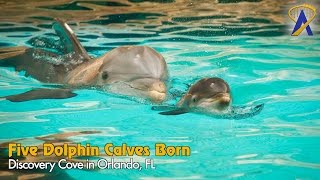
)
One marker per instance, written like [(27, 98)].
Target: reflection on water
[(32, 116), (191, 18), (279, 160)]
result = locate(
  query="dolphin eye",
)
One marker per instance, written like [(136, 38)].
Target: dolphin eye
[(105, 75)]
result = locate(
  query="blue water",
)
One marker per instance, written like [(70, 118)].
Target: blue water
[(262, 64)]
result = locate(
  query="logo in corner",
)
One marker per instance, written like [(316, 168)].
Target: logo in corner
[(302, 15)]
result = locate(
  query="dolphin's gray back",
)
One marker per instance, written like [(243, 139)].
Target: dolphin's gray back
[(47, 66), (22, 59)]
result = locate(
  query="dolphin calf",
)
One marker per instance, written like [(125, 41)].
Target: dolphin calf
[(210, 96), (137, 71)]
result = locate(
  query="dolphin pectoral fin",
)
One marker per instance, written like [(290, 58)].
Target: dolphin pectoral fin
[(169, 110), (174, 112), (163, 108), (242, 112), (41, 94), (71, 42)]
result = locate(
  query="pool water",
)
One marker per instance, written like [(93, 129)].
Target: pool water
[(247, 43)]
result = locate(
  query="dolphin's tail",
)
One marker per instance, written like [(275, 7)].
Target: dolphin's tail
[(10, 52)]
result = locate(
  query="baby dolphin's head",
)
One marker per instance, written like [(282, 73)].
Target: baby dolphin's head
[(208, 93)]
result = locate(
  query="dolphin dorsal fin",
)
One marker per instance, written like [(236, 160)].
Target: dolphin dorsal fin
[(71, 42)]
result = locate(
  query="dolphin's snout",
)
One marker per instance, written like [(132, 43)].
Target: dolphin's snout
[(157, 91), (158, 86), (151, 88), (224, 100)]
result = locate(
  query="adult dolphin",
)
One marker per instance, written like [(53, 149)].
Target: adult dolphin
[(128, 70), (210, 96)]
